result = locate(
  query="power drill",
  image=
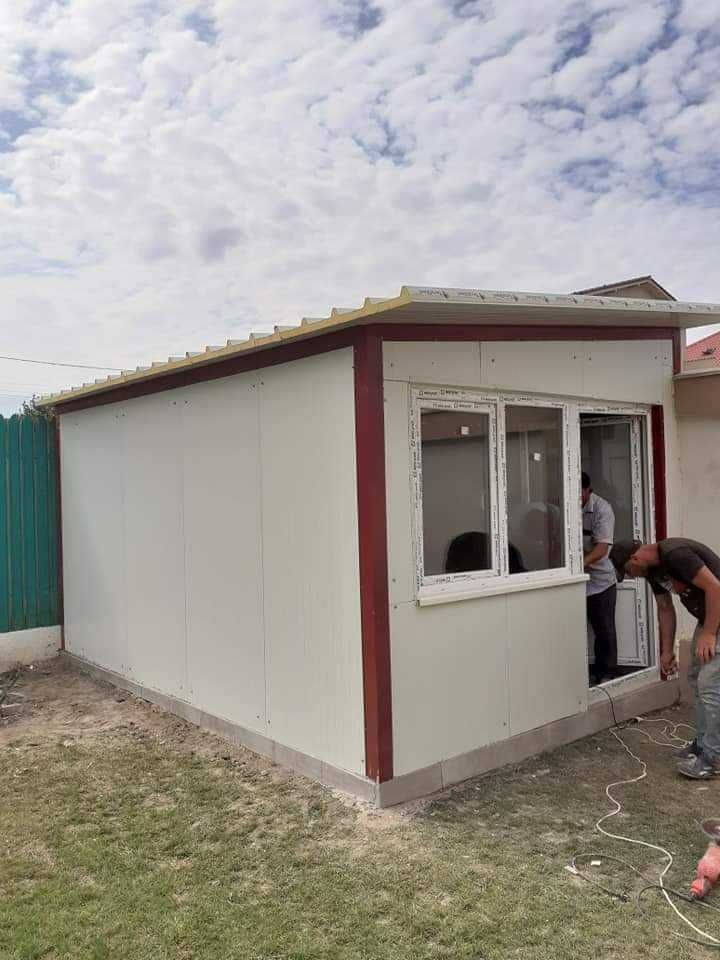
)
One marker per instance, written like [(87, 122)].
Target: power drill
[(708, 869)]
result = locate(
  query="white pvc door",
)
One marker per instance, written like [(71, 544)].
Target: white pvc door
[(612, 454)]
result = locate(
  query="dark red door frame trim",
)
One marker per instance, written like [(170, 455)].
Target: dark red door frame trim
[(657, 429), (677, 342), (372, 522)]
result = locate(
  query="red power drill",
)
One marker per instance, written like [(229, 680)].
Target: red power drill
[(708, 869)]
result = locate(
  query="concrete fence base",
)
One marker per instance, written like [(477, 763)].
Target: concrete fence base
[(21, 647)]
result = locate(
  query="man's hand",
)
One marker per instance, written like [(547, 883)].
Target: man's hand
[(705, 646), (597, 553), (667, 662), (666, 619)]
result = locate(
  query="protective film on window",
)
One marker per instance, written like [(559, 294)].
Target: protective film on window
[(535, 489), (455, 492)]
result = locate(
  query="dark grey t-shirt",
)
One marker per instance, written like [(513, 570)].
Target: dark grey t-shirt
[(682, 559)]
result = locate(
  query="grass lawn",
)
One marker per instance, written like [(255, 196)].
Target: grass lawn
[(125, 833)]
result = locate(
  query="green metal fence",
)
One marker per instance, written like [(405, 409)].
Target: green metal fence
[(29, 594)]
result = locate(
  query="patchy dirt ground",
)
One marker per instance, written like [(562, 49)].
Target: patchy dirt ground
[(125, 832)]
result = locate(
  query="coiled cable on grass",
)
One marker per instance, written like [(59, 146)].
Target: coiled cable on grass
[(710, 941)]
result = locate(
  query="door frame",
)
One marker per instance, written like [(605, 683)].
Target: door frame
[(644, 413)]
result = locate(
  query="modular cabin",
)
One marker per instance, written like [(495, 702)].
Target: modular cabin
[(354, 545)]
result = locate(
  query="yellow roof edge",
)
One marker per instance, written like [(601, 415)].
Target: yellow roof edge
[(336, 319), (690, 314)]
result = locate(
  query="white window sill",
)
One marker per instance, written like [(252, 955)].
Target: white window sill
[(429, 597)]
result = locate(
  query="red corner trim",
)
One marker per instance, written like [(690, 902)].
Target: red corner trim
[(677, 351), (657, 421), (374, 603)]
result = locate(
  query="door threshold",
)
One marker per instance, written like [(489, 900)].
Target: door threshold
[(620, 685)]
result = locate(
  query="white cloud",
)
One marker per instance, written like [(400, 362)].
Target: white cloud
[(177, 172)]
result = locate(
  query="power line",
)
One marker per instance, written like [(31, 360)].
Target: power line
[(54, 363)]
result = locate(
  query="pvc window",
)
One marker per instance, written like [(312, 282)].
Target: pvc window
[(493, 492), (534, 488), (456, 485)]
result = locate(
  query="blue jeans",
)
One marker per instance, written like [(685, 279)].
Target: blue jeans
[(704, 680)]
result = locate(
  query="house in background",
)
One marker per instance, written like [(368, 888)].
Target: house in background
[(696, 391), (354, 545), (642, 288), (697, 405), (703, 354)]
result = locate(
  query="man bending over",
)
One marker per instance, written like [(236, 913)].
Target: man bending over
[(692, 570)]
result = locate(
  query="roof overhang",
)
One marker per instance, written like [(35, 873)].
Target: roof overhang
[(433, 305)]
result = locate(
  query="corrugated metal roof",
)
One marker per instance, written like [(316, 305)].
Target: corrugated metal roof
[(431, 305)]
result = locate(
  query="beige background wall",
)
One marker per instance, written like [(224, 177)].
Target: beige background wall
[(699, 444)]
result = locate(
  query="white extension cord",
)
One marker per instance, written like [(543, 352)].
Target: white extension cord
[(675, 742)]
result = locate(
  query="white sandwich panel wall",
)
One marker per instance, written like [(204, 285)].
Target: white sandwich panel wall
[(401, 569), (542, 367), (217, 564), (450, 689), (496, 666), (223, 550), (635, 371), (475, 672), (155, 544), (429, 361), (310, 558), (547, 661), (93, 532)]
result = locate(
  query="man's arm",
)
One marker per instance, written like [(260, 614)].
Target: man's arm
[(707, 638), (599, 551), (603, 532), (668, 624)]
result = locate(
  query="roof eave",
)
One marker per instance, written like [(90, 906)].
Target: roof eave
[(435, 305), (339, 319)]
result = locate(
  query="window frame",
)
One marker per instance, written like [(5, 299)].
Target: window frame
[(644, 524), (457, 586), (462, 403)]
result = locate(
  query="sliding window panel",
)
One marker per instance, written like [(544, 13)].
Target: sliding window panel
[(457, 493), (535, 488)]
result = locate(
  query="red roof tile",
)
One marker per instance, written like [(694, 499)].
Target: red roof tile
[(707, 349)]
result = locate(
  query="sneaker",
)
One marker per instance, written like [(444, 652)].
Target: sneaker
[(688, 752), (699, 767)]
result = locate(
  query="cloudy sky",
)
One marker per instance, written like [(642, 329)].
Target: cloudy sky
[(177, 172)]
